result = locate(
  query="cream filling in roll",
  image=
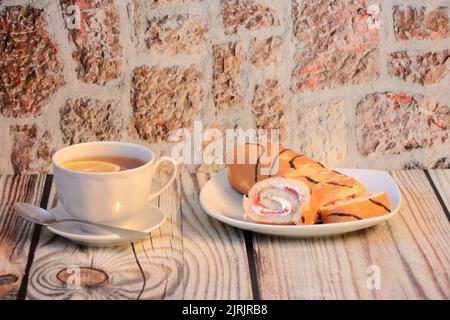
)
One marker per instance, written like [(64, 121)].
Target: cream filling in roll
[(277, 200)]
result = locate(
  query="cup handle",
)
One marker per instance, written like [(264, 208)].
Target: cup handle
[(172, 178)]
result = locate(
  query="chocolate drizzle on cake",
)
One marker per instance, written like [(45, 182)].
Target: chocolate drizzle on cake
[(340, 214), (340, 185), (291, 162), (318, 218), (311, 180), (379, 204), (259, 157), (275, 160)]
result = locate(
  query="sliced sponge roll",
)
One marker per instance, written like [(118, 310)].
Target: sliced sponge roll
[(281, 201), (356, 208)]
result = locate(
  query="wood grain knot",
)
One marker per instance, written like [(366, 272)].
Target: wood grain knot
[(88, 277), (7, 279)]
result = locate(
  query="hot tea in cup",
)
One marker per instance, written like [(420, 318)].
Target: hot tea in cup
[(103, 164), (106, 182)]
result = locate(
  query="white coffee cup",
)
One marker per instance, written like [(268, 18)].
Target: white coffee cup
[(111, 197)]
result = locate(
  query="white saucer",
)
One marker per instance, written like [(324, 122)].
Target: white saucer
[(223, 203), (148, 220)]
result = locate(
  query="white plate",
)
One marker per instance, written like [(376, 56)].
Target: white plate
[(148, 220), (223, 203)]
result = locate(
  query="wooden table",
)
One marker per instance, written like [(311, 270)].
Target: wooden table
[(194, 257)]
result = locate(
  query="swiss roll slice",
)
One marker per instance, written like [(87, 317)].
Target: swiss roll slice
[(281, 200), (353, 209)]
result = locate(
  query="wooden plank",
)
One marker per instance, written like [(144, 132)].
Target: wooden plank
[(190, 257), (441, 179), (411, 253), (207, 258), (15, 233), (108, 273)]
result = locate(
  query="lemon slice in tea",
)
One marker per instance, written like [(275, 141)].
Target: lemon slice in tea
[(91, 166)]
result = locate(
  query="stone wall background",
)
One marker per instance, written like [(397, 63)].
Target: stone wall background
[(342, 90)]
